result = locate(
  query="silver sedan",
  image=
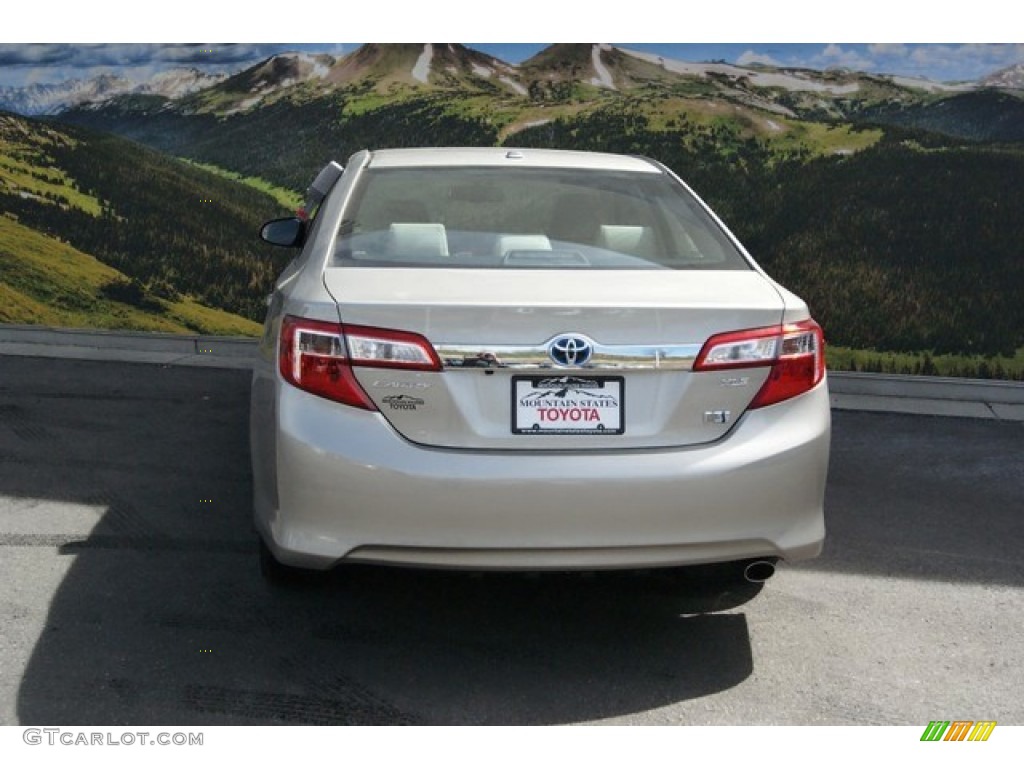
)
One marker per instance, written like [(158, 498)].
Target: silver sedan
[(530, 359)]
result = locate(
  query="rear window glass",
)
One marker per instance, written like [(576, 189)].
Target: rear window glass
[(528, 218)]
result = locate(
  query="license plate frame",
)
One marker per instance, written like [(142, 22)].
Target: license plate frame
[(568, 404)]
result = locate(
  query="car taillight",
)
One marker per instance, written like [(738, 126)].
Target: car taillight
[(383, 348), (318, 357), (795, 352)]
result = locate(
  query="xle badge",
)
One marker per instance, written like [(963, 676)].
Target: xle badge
[(717, 417), (403, 402)]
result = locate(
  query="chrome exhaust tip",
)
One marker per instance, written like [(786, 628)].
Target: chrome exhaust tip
[(759, 571)]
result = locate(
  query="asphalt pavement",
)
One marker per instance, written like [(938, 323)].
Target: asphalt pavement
[(130, 594)]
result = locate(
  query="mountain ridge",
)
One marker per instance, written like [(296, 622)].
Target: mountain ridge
[(1010, 78), (447, 65), (54, 98), (559, 80)]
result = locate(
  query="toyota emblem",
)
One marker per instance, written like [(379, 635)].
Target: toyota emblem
[(570, 350)]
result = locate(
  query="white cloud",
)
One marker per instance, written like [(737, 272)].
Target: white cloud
[(934, 61), (887, 49), (836, 56), (130, 54), (974, 53), (753, 57), (948, 62), (30, 63)]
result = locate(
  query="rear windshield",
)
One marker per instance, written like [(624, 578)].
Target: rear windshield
[(528, 218)]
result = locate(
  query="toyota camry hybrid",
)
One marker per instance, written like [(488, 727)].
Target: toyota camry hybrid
[(530, 360)]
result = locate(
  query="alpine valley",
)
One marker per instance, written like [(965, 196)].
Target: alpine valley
[(892, 205)]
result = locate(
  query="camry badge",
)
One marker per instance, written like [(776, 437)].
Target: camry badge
[(385, 384)]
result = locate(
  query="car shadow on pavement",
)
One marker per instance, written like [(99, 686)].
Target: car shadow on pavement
[(162, 617)]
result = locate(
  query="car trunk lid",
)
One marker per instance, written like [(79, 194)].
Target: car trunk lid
[(495, 332)]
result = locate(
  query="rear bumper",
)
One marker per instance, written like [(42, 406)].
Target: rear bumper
[(346, 487)]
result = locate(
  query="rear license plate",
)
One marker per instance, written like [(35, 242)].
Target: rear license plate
[(568, 405)]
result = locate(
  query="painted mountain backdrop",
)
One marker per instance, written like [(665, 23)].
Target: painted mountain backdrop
[(891, 204)]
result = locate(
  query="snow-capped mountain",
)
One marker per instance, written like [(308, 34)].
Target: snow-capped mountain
[(422, 64), (556, 72), (1011, 78), (53, 98), (260, 83), (277, 72), (175, 83), (595, 64), (444, 65)]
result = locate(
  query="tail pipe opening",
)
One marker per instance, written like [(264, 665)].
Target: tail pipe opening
[(759, 571)]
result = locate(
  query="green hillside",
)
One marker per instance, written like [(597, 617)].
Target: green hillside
[(983, 116), (903, 247), (288, 141), (178, 233), (899, 242), (46, 282)]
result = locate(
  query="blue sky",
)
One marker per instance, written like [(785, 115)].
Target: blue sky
[(22, 64), (933, 61)]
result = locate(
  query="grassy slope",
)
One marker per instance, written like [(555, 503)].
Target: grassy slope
[(27, 166), (46, 282), (927, 364), (779, 134), (287, 198), (173, 227)]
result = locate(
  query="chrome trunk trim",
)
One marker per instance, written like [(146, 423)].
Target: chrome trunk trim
[(605, 357)]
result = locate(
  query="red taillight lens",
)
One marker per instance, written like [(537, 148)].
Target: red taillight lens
[(795, 352), (318, 357), (313, 358)]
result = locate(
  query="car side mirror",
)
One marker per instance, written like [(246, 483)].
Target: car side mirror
[(290, 232)]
